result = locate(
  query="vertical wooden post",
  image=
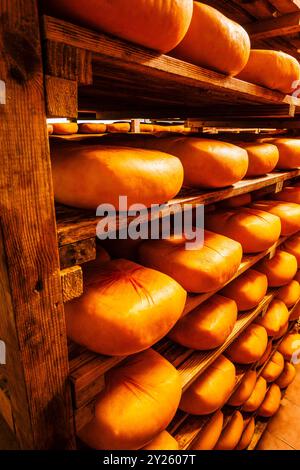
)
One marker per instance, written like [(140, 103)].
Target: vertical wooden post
[(32, 314)]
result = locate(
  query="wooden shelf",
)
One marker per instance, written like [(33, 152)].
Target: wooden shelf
[(76, 229), (112, 75)]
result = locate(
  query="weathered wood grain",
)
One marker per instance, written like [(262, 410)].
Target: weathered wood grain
[(72, 283), (61, 97), (32, 316)]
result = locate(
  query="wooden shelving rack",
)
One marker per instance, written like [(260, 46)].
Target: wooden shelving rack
[(52, 68)]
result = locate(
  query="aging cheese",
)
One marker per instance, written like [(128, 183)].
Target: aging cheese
[(247, 290), (249, 346), (280, 269)]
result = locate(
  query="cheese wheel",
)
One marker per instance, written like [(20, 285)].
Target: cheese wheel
[(229, 54), (125, 308), (273, 368), (289, 153), (177, 128), (91, 128), (287, 376), (295, 314), (282, 331), (118, 127), (88, 175), (160, 128), (292, 246), (275, 318), (210, 433), (266, 354), (271, 403), (247, 290), (272, 69), (257, 396), (290, 347), (208, 326), (249, 346), (65, 128), (280, 269), (263, 157), (156, 24), (247, 435), (236, 201), (211, 390), (232, 433), (254, 229), (202, 269), (163, 441), (49, 129), (288, 194), (244, 390), (288, 212), (144, 127), (207, 163), (139, 401), (290, 293)]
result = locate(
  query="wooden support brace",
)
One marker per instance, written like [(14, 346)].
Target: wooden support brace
[(284, 25), (61, 97), (71, 283)]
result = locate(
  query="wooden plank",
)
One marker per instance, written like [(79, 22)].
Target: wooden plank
[(286, 6), (77, 253), (72, 283), (61, 97), (70, 63), (284, 25), (74, 225), (5, 404), (32, 315), (127, 59), (260, 427)]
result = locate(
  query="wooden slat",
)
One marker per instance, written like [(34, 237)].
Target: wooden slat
[(77, 253), (61, 97), (282, 26), (5, 404), (71, 283), (260, 427), (286, 6), (74, 225), (144, 69)]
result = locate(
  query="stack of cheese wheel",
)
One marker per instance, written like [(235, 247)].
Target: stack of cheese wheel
[(150, 23), (91, 128), (263, 157), (210, 433), (64, 128), (202, 269), (273, 368), (249, 346), (288, 194), (289, 294), (163, 441), (208, 326), (248, 432), (276, 316), (292, 246), (228, 55), (287, 376), (139, 401), (125, 308), (247, 290), (280, 269), (271, 69), (256, 230), (290, 347), (87, 175), (211, 390), (288, 212), (289, 153), (257, 396), (271, 402), (244, 390), (232, 433)]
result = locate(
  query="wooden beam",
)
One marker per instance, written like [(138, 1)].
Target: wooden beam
[(286, 6), (284, 25), (32, 314)]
